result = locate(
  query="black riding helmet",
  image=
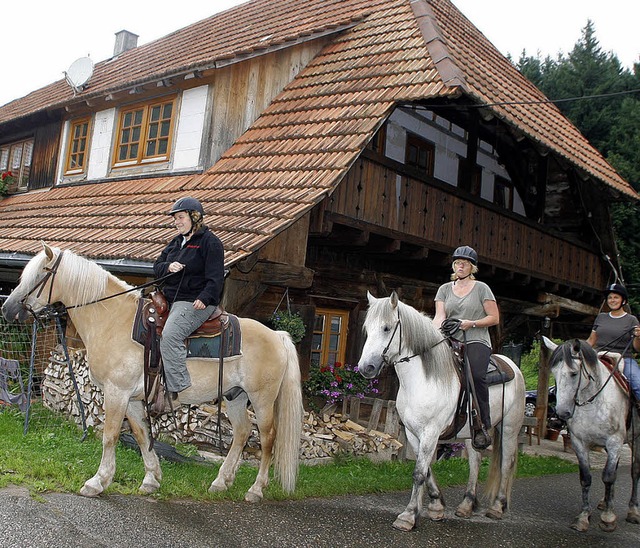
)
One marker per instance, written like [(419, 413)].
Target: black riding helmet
[(466, 252), (187, 204), (619, 289)]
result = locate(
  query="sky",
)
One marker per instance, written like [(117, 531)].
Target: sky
[(43, 37)]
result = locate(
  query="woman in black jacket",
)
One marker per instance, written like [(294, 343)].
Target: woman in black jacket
[(196, 259)]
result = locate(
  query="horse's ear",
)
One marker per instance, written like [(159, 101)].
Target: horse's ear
[(370, 298), (549, 343), (47, 250), (393, 299)]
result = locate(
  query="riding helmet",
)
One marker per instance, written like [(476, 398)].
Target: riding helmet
[(619, 289), (466, 252), (187, 204)]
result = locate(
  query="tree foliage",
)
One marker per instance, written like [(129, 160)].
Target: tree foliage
[(602, 98)]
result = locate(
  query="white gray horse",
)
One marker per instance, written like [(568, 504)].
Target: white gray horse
[(595, 408), (427, 401)]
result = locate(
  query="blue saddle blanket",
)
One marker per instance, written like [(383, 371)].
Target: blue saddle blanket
[(199, 346)]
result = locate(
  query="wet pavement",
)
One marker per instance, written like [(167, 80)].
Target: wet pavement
[(541, 511)]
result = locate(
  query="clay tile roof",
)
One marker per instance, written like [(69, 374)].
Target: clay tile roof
[(387, 52)]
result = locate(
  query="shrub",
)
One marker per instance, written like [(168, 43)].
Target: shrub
[(290, 322)]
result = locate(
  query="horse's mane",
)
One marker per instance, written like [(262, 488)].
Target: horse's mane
[(418, 334), (85, 280), (565, 350)]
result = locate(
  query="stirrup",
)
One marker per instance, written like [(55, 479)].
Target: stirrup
[(481, 439)]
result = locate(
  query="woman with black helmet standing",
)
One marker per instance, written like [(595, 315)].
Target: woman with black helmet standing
[(472, 302), (196, 259), (617, 331)]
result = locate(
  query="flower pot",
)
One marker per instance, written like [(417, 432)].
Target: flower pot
[(552, 434)]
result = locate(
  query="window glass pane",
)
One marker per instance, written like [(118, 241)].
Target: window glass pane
[(151, 145), (331, 359), (138, 117), (127, 119), (163, 145), (135, 134), (16, 156), (316, 341), (333, 342), (336, 324), (153, 131), (165, 126), (122, 155), (134, 150), (319, 323), (166, 113), (126, 136), (155, 114), (4, 158)]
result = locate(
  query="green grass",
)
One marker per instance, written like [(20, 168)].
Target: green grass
[(52, 457)]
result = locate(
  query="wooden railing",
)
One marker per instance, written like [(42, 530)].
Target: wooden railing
[(379, 195)]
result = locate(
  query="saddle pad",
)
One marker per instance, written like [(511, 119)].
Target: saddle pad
[(614, 363), (200, 346)]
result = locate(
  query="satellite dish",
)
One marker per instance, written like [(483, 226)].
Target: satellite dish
[(79, 73)]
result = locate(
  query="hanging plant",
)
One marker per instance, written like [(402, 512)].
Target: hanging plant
[(285, 320)]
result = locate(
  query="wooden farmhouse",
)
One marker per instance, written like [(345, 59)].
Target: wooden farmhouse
[(338, 147)]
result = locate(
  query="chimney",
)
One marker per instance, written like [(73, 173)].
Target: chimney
[(125, 41)]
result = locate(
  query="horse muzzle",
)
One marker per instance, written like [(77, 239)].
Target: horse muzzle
[(15, 311), (369, 370)]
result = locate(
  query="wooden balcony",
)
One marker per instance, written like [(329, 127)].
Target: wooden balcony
[(377, 197)]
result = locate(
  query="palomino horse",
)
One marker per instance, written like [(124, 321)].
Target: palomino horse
[(427, 400), (595, 408), (103, 315)]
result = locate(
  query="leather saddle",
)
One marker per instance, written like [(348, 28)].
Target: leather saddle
[(498, 372)]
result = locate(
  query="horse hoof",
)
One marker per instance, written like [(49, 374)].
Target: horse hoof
[(403, 524), (217, 487), (494, 514), (88, 491), (581, 525), (435, 515), (252, 497), (633, 516), (464, 513), (608, 526), (149, 487)]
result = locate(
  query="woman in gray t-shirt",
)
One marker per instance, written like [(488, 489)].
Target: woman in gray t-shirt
[(473, 303)]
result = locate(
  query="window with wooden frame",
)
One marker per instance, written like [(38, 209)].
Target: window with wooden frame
[(503, 193), (144, 133), (329, 341), (420, 154), (378, 141), (15, 162), (78, 148)]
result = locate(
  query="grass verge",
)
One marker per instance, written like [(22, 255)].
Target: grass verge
[(52, 457)]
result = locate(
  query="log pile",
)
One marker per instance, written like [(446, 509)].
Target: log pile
[(324, 434)]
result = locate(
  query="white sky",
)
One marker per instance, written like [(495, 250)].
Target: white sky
[(41, 38)]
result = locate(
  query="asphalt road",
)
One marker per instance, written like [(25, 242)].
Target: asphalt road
[(542, 509)]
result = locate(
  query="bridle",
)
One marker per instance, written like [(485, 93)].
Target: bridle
[(59, 309), (50, 273), (585, 372), (398, 329)]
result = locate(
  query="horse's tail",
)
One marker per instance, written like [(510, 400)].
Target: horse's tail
[(289, 415), (498, 455)]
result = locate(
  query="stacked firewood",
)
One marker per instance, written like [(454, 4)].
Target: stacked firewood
[(324, 434)]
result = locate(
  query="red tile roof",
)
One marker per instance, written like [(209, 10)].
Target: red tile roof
[(305, 141)]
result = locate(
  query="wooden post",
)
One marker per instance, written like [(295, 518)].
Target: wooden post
[(542, 401)]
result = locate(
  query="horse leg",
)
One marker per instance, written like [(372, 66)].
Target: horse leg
[(140, 429), (581, 522), (115, 404), (608, 516), (470, 502), (267, 431), (633, 516), (504, 459), (408, 519), (241, 429)]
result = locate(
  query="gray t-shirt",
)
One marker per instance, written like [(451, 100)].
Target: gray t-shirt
[(615, 334), (469, 307)]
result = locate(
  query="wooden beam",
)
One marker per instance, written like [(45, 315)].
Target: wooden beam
[(567, 304), (282, 275)]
